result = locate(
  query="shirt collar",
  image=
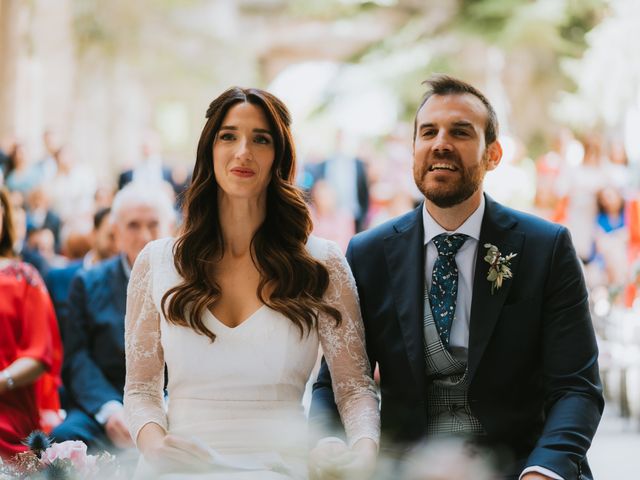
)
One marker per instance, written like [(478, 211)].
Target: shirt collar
[(470, 227)]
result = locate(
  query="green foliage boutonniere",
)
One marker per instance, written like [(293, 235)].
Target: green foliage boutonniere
[(499, 266)]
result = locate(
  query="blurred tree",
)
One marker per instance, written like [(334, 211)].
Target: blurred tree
[(135, 56), (513, 49)]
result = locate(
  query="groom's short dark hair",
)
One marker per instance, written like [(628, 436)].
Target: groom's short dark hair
[(446, 85)]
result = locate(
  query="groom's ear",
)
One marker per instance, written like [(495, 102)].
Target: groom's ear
[(493, 155)]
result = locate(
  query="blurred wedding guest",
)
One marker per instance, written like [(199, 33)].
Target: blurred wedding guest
[(103, 196), (58, 280), (547, 203), (612, 236), (329, 221), (102, 239), (631, 293), (72, 188), (94, 367), (180, 181), (41, 240), (30, 347), (398, 203), (633, 224), (23, 176), (40, 214), (579, 184), (48, 164), (6, 147), (550, 202), (76, 242), (150, 168), (514, 184), (22, 248), (397, 151), (618, 167), (346, 173), (611, 211), (19, 226)]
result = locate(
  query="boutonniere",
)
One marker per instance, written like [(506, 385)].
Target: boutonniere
[(499, 266)]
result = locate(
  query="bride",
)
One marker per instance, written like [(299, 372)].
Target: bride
[(236, 307)]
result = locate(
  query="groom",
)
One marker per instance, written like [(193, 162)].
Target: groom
[(476, 315)]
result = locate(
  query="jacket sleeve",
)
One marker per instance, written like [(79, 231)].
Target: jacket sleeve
[(87, 385), (573, 391)]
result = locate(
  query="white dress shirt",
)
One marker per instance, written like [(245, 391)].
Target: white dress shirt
[(466, 262)]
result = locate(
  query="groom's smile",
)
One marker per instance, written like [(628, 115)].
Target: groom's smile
[(450, 154)]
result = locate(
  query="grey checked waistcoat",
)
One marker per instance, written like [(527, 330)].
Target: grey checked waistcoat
[(448, 410)]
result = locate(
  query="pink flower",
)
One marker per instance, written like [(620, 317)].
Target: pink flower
[(73, 450)]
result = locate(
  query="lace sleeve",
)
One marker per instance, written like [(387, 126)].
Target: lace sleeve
[(143, 398), (344, 350)]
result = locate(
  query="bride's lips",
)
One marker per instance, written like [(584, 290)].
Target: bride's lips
[(242, 172)]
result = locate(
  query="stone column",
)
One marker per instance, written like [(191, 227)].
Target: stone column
[(11, 32)]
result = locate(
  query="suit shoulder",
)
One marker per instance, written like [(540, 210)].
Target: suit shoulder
[(390, 227), (100, 271), (532, 223), (68, 271)]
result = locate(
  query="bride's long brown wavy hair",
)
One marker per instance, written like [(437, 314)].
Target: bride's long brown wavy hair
[(296, 280)]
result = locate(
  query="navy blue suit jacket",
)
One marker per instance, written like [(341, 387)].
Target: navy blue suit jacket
[(319, 172), (94, 365), (532, 364), (58, 282)]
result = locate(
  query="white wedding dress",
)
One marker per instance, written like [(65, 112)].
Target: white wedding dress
[(240, 396)]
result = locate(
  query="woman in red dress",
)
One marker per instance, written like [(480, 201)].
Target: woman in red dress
[(30, 347)]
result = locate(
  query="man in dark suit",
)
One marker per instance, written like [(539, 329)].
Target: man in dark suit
[(58, 280), (94, 364), (150, 168), (40, 215), (347, 175), (476, 315)]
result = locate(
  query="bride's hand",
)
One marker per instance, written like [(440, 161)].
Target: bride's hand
[(333, 460), (177, 454)]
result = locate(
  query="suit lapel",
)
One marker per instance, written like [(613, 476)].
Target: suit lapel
[(119, 287), (497, 229), (404, 251)]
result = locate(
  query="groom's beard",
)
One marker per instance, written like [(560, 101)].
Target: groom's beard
[(455, 191)]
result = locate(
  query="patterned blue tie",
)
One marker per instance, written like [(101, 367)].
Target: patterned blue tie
[(444, 283)]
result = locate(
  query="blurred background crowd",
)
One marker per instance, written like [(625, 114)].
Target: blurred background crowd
[(97, 95)]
